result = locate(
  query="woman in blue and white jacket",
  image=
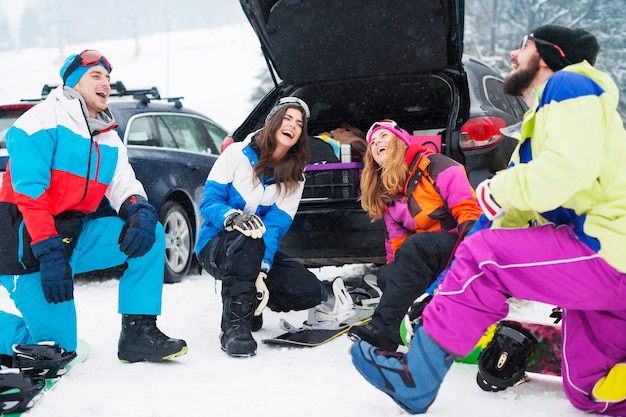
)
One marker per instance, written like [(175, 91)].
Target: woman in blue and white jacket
[(250, 199)]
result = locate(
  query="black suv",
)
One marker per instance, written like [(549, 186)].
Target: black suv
[(171, 148), (359, 61)]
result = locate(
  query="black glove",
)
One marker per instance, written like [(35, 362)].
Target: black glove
[(249, 225), (464, 228), (56, 273), (137, 235)]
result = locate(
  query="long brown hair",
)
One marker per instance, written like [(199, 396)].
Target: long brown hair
[(379, 183), (288, 170)]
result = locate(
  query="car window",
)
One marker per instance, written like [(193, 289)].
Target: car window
[(181, 132), (140, 132), (518, 105), (493, 92), (217, 135), (7, 118)]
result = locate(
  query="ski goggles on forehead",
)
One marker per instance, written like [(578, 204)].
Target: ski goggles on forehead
[(527, 38), (380, 123), (297, 101), (88, 58)]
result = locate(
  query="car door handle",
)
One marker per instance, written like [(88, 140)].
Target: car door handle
[(191, 166)]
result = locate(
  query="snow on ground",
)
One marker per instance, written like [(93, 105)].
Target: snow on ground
[(312, 382), (215, 70)]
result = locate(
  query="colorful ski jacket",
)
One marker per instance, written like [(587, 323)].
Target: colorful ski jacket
[(231, 186), (437, 198), (59, 160), (569, 167)]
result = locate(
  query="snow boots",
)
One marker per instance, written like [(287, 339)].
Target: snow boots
[(237, 313), (141, 340), (503, 362), (411, 379)]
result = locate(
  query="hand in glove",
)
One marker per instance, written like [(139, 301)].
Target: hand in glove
[(249, 225), (411, 318), (55, 270), (486, 201), (262, 293), (137, 236)]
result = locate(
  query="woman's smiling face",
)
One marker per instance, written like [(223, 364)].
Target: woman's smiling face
[(379, 143), (289, 133)]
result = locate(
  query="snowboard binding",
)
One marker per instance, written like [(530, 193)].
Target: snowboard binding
[(502, 363), (332, 313), (44, 360), (17, 390)]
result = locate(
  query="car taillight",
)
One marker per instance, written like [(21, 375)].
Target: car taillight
[(481, 132), (14, 107), (227, 141)]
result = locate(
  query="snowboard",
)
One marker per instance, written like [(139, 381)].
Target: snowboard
[(354, 305), (82, 353), (311, 337), (546, 358)]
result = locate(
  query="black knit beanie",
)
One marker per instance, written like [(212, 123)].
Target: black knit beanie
[(577, 45)]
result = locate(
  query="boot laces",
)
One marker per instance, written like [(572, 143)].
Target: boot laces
[(236, 320)]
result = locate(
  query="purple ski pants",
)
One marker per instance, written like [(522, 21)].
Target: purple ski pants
[(546, 264)]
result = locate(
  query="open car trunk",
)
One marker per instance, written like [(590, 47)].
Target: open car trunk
[(368, 37)]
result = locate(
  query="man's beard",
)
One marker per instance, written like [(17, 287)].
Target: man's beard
[(517, 82)]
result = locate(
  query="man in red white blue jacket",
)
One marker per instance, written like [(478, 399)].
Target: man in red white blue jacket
[(64, 158)]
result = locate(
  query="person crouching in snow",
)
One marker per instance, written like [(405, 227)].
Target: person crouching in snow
[(64, 158), (558, 237), (428, 206), (250, 199)]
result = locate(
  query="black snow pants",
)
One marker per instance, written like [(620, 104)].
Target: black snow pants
[(416, 265), (236, 260)]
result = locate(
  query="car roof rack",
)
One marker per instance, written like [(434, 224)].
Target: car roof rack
[(118, 89)]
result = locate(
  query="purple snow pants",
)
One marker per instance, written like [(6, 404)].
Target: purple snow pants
[(546, 264)]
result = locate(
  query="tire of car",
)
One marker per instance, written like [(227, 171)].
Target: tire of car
[(178, 243)]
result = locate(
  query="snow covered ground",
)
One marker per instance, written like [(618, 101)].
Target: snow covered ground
[(277, 381), (215, 70)]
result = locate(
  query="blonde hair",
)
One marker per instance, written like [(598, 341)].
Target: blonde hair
[(378, 183)]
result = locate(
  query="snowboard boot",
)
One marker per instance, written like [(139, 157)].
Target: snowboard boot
[(256, 323), (141, 340), (370, 333), (236, 339), (411, 379), (43, 360)]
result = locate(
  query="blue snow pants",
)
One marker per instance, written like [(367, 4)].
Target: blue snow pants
[(97, 248)]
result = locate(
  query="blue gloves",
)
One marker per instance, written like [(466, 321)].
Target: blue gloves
[(137, 236), (56, 273)]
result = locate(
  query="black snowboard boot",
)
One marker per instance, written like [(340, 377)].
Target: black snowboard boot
[(236, 338), (373, 335), (256, 323), (141, 340)]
